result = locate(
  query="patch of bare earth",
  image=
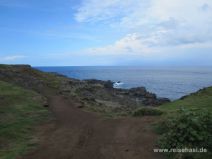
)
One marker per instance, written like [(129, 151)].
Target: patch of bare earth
[(77, 134)]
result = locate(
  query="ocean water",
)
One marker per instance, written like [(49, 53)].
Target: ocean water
[(172, 83)]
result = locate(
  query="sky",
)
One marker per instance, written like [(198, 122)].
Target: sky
[(106, 33)]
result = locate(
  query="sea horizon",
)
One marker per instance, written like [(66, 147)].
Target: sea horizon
[(169, 82)]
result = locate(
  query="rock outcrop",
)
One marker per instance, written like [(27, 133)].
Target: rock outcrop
[(86, 90)]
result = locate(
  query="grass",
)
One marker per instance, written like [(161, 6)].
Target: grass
[(20, 112), (185, 122), (147, 112), (106, 111), (51, 79), (202, 100), (48, 79)]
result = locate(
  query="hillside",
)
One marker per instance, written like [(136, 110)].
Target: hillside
[(21, 111), (201, 100), (75, 131), (95, 95), (81, 119)]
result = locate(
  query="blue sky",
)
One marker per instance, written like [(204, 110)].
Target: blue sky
[(113, 32)]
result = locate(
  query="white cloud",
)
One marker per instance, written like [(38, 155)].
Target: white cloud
[(133, 44), (145, 11), (160, 22), (146, 46), (180, 10), (190, 21), (95, 10), (11, 58)]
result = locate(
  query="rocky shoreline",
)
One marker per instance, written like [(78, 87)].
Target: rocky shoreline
[(139, 94), (90, 92)]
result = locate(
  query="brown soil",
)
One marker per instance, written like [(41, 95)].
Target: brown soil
[(77, 134)]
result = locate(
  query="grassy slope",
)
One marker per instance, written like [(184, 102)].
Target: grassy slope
[(201, 100), (196, 101), (20, 111), (15, 70)]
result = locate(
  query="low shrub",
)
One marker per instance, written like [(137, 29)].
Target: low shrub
[(188, 129), (147, 112)]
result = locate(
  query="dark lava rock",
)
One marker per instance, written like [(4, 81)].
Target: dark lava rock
[(80, 106), (89, 99), (45, 104), (139, 91), (155, 101), (106, 84), (149, 102), (87, 90), (94, 81), (184, 97), (87, 94), (58, 74), (150, 95), (161, 101)]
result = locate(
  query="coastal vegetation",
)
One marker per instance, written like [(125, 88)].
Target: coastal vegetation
[(145, 111), (187, 124), (201, 100), (21, 111), (187, 130), (24, 94)]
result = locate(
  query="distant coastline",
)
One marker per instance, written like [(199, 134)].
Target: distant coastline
[(172, 83)]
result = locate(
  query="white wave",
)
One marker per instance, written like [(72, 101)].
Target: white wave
[(117, 84)]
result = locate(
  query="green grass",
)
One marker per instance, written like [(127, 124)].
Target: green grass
[(187, 123), (20, 112), (107, 111), (146, 111), (202, 100), (48, 79)]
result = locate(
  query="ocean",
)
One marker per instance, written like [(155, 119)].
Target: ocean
[(171, 83)]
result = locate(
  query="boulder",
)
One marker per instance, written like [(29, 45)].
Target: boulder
[(150, 95), (45, 104), (155, 101), (161, 101), (139, 91), (106, 84)]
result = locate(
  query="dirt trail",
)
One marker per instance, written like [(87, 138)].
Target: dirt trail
[(77, 134)]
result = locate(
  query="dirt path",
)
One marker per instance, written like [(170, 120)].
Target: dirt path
[(77, 134)]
